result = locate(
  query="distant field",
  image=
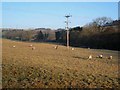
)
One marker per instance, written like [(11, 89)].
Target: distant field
[(46, 67)]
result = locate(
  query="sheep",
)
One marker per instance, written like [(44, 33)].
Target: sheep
[(33, 48), (56, 47), (88, 48), (30, 45), (73, 49), (14, 46), (110, 57), (90, 57), (100, 56)]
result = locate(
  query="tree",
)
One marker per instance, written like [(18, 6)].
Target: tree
[(29, 35), (91, 28), (57, 35), (46, 36), (101, 21), (39, 36)]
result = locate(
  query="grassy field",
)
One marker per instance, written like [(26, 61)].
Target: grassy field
[(46, 67)]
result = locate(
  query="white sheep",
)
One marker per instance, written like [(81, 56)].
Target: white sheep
[(30, 45), (110, 57), (33, 48), (90, 57), (100, 56), (88, 48), (73, 49), (56, 47), (14, 46)]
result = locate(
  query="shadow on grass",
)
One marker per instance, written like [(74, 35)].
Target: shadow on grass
[(78, 57)]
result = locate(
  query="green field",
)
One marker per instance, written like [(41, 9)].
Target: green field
[(47, 67)]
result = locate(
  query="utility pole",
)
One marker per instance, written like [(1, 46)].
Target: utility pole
[(67, 28)]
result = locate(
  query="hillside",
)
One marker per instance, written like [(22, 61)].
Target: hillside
[(47, 67)]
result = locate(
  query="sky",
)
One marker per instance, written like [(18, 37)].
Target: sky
[(51, 14), (60, 0)]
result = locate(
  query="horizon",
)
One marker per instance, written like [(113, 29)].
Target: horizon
[(26, 15)]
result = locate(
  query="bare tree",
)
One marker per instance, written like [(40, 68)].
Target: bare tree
[(101, 21)]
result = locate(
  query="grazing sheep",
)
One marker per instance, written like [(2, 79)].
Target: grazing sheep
[(90, 57), (73, 49), (88, 48), (110, 57), (56, 47), (101, 56), (33, 48), (30, 45), (14, 46)]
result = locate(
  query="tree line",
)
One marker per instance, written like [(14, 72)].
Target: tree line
[(101, 33), (29, 35)]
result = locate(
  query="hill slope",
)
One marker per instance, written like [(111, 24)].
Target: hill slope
[(46, 67)]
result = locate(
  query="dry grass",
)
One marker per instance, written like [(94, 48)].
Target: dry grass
[(46, 67)]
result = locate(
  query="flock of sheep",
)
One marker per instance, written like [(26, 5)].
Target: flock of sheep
[(33, 48), (89, 57), (100, 56)]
